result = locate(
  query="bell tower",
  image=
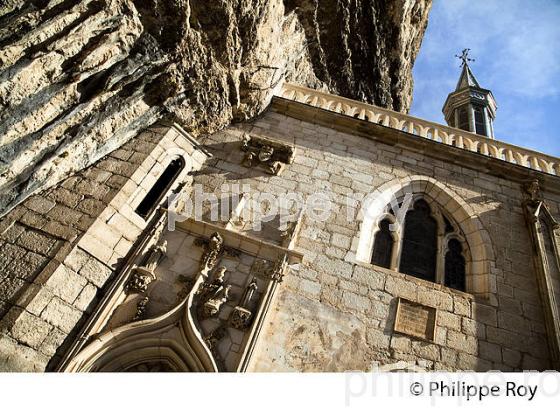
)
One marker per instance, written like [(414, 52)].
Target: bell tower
[(470, 107)]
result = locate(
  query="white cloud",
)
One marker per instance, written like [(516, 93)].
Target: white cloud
[(516, 41), (515, 44)]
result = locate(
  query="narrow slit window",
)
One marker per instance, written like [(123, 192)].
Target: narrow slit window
[(158, 190)]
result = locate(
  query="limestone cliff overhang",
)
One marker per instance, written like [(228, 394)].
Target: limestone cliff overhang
[(434, 140)]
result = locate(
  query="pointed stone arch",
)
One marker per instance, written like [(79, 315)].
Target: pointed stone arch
[(480, 278), (172, 339)]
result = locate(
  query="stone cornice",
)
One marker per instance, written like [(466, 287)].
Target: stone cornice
[(421, 128), (433, 140)]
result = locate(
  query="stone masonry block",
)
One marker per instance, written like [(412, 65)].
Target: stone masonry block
[(62, 315), (66, 284), (30, 330), (95, 272)]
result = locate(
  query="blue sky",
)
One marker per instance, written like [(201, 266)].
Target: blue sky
[(516, 45)]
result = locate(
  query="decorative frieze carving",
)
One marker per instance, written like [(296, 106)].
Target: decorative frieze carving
[(241, 316), (270, 155)]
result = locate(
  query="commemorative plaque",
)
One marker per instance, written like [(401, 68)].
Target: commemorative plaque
[(414, 319)]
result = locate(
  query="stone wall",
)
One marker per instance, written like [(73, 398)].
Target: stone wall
[(336, 314), (59, 248)]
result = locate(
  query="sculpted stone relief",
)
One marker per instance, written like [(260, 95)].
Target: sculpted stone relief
[(270, 155), (220, 290), (212, 295)]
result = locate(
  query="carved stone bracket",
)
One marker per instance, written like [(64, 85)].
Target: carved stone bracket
[(532, 192), (270, 155), (240, 318), (139, 281), (142, 276)]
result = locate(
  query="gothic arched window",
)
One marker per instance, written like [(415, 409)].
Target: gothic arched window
[(419, 246), (455, 265), (383, 250), (427, 245), (162, 185)]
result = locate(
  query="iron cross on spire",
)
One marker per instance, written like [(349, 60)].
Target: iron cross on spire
[(464, 57)]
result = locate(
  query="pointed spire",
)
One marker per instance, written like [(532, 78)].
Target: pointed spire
[(470, 107), (467, 79)]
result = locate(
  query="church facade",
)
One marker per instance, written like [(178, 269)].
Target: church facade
[(430, 245)]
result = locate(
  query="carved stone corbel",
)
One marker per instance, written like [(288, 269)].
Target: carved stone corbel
[(142, 276), (532, 192), (272, 156), (139, 281)]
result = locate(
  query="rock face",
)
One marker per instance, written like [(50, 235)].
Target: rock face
[(79, 78)]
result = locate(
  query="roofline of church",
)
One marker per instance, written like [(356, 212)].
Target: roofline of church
[(361, 118)]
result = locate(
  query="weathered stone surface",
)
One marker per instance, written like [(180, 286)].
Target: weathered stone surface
[(30, 330), (61, 314), (66, 284), (95, 272), (20, 357), (80, 78), (86, 297)]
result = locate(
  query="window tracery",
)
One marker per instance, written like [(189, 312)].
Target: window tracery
[(427, 244)]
